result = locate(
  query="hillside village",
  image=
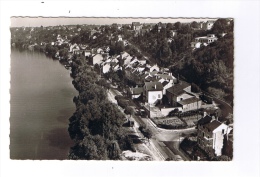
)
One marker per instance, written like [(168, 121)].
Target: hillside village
[(154, 88)]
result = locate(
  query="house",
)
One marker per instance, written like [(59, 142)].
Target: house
[(117, 67), (211, 135), (96, 59), (136, 26), (105, 67), (167, 77), (153, 92), (120, 38), (178, 92), (190, 104), (99, 50), (136, 92), (127, 59), (208, 25), (206, 39), (166, 85), (154, 68), (87, 53)]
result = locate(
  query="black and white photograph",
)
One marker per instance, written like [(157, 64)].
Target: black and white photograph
[(155, 88), (122, 89)]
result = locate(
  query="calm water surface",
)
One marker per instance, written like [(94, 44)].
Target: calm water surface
[(41, 104)]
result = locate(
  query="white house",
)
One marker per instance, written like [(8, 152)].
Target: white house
[(211, 135), (127, 60), (87, 53), (154, 68), (206, 39), (191, 103), (105, 67), (153, 92)]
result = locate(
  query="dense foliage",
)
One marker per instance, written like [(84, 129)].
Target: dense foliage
[(96, 126), (209, 67)]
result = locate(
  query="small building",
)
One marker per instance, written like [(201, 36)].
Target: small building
[(96, 59), (178, 92), (136, 26), (154, 68), (136, 92), (87, 53), (190, 104), (206, 39)]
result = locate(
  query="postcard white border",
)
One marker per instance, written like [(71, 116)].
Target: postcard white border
[(246, 112)]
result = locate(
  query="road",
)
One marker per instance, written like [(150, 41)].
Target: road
[(157, 151), (144, 146)]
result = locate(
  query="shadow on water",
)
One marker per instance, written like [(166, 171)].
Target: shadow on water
[(64, 115), (59, 138)]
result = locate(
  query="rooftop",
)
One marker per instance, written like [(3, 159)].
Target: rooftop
[(165, 83), (205, 120), (153, 86), (178, 88), (213, 125), (137, 91)]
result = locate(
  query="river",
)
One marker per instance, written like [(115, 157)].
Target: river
[(41, 104)]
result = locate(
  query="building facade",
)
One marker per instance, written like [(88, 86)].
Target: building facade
[(211, 135)]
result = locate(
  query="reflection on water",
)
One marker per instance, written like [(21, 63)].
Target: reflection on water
[(41, 104)]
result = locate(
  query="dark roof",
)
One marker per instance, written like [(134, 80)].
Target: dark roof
[(213, 125), (153, 86), (188, 101), (205, 120), (178, 88), (137, 91), (165, 83)]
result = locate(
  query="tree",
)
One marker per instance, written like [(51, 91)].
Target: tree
[(169, 26), (194, 24), (113, 150), (220, 26), (129, 110), (177, 25)]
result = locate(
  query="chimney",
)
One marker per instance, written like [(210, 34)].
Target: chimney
[(205, 113)]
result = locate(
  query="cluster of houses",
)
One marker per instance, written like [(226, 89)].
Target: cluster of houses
[(156, 84), (160, 91), (204, 40)]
